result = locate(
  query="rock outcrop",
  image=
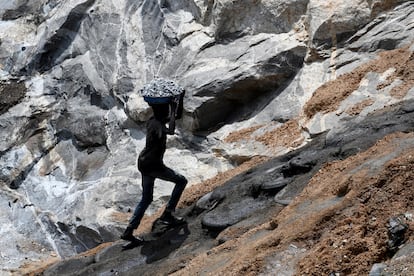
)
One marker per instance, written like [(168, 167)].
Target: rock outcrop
[(303, 83)]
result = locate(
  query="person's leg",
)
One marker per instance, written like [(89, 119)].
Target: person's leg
[(147, 197), (180, 181)]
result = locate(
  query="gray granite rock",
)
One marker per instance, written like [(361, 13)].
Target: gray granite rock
[(71, 124)]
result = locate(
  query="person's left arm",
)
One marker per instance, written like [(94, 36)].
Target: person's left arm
[(176, 112)]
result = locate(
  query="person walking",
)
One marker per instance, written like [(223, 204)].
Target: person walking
[(151, 166)]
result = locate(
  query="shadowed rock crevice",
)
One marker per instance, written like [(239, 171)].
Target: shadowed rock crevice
[(13, 14), (82, 237), (236, 99), (36, 145), (60, 41)]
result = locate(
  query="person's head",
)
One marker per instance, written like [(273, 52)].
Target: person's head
[(161, 112)]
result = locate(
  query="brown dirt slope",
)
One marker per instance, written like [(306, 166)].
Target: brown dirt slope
[(328, 97), (340, 218)]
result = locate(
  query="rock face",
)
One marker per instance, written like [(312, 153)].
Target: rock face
[(262, 78)]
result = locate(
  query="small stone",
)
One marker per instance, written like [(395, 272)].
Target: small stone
[(377, 269)]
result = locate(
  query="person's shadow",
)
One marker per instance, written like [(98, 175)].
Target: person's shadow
[(163, 242)]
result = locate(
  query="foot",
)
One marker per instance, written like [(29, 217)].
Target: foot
[(128, 235), (168, 218), (132, 244)]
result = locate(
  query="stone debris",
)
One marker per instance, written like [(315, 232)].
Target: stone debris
[(159, 87)]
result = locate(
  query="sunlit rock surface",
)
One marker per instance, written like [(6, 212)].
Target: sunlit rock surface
[(262, 78)]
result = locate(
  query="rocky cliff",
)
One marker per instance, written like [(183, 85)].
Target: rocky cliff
[(297, 135)]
